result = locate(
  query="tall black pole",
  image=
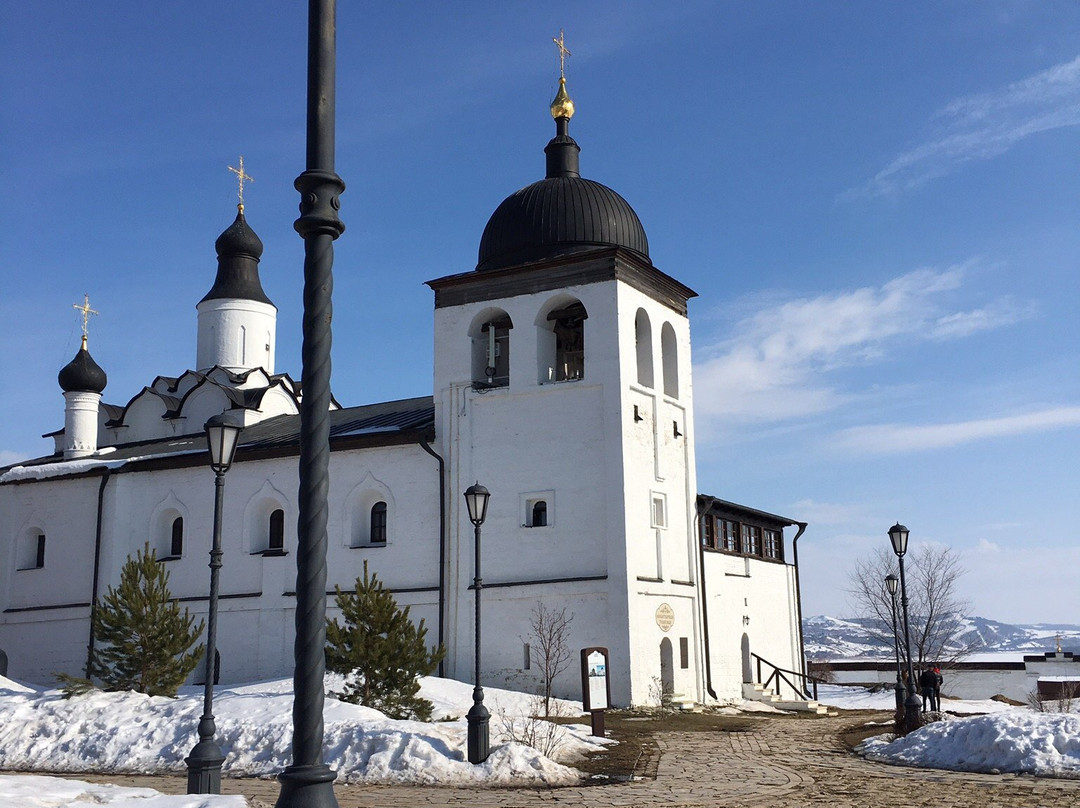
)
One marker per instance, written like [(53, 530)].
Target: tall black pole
[(478, 741), (204, 762), (308, 782), (912, 705), (896, 647)]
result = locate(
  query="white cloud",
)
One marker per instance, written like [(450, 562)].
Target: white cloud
[(895, 438), (775, 365), (982, 126), (829, 513)]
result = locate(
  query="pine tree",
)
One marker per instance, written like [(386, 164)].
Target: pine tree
[(380, 651), (146, 639)]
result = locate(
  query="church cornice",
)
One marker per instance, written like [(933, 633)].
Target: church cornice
[(559, 273)]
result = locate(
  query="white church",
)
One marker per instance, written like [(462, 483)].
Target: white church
[(562, 382)]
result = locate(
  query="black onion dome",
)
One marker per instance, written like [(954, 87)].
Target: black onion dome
[(238, 251), (82, 374), (561, 214)]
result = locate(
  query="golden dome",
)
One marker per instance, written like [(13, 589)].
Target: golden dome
[(562, 106)]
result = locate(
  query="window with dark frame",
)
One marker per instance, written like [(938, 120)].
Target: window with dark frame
[(708, 526), (751, 540), (378, 523), (729, 534), (276, 533), (39, 560), (176, 543), (774, 545), (495, 339), (684, 652)]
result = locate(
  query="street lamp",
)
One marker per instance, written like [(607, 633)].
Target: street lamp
[(891, 583), (204, 762), (476, 498), (898, 535)]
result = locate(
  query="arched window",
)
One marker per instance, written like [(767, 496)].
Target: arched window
[(669, 350), (568, 325), (539, 514), (31, 555), (275, 539), (176, 540), (643, 343), (491, 351), (378, 523)]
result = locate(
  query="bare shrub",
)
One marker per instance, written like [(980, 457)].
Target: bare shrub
[(530, 729)]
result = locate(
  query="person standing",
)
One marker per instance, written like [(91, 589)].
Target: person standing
[(939, 680), (927, 683)]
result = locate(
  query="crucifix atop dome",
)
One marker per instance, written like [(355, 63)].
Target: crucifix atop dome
[(86, 312), (241, 176)]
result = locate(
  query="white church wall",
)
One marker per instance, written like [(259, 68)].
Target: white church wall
[(236, 334), (751, 609)]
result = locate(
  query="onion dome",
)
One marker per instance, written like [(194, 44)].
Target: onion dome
[(238, 251), (82, 374), (563, 213)]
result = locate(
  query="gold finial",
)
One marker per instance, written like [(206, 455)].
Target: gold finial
[(86, 312), (562, 106), (241, 176)]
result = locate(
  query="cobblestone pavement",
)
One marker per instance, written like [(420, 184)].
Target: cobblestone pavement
[(779, 763)]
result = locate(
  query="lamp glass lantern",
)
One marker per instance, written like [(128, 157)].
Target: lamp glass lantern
[(898, 535), (476, 499), (222, 436), (891, 583)]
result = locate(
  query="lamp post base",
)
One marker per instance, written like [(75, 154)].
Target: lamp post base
[(204, 768), (900, 691), (307, 787), (912, 714), (479, 745)]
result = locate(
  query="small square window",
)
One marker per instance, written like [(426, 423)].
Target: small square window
[(537, 509)]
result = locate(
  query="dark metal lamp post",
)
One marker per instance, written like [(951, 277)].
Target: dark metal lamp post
[(479, 745), (891, 584), (204, 762), (898, 535)]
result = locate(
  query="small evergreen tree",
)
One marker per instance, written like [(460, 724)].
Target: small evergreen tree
[(380, 651), (146, 639)]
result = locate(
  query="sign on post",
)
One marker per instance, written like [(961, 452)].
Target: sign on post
[(595, 686)]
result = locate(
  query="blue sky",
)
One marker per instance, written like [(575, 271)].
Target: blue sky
[(877, 204)]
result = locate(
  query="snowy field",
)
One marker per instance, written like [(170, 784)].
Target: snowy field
[(1005, 739), (137, 734)]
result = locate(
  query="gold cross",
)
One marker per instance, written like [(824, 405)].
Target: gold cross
[(86, 312), (241, 176), (563, 53)]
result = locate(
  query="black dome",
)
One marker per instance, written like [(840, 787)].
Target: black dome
[(562, 214), (239, 250), (82, 374)]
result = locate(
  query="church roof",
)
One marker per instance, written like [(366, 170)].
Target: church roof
[(239, 250), (562, 214), (382, 424), (82, 374)]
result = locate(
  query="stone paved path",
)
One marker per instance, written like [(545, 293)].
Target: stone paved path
[(779, 763)]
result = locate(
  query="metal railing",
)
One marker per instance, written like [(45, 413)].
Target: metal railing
[(809, 684)]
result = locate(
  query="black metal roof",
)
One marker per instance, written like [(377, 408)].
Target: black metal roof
[(707, 503), (561, 214), (238, 251), (384, 423), (82, 374)]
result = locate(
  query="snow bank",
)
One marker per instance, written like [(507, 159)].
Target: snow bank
[(136, 733), (55, 792), (1021, 741)]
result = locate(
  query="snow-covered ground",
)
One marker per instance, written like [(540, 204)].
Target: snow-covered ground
[(1005, 739), (133, 733)]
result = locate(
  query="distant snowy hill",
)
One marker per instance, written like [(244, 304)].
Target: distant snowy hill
[(851, 638)]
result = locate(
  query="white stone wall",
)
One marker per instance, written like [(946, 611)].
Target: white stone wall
[(236, 334), (752, 609)]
